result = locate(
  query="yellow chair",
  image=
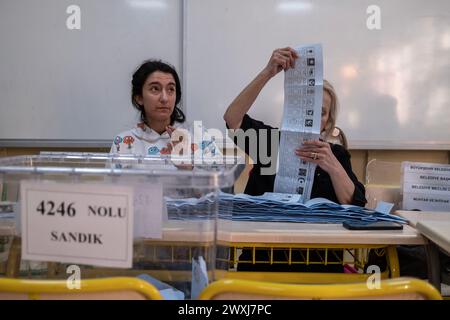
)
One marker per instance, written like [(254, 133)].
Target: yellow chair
[(120, 288), (399, 288)]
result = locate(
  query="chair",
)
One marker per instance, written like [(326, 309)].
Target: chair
[(120, 288), (383, 183), (398, 288)]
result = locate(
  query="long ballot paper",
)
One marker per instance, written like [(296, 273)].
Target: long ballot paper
[(303, 90)]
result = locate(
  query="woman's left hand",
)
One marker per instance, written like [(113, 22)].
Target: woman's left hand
[(320, 153)]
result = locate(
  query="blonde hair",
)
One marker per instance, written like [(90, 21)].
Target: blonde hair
[(330, 126), (338, 136), (331, 123)]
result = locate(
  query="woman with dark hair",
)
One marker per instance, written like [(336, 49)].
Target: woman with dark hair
[(156, 94), (155, 74)]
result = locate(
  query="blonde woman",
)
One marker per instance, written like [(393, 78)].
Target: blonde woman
[(334, 178)]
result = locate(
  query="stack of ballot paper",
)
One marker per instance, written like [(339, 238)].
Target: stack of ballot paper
[(275, 207)]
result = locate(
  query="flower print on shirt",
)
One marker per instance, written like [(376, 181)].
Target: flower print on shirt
[(205, 144), (167, 149), (128, 140), (117, 141), (153, 151), (209, 147), (143, 140), (194, 147)]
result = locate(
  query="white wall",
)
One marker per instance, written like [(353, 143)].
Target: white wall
[(57, 83), (393, 83), (73, 85)]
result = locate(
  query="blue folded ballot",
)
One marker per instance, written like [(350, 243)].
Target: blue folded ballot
[(274, 207)]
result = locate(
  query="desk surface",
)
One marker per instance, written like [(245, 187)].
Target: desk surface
[(436, 231), (415, 216), (284, 232), (310, 233)]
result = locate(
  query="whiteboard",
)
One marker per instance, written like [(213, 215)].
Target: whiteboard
[(72, 85), (393, 83)]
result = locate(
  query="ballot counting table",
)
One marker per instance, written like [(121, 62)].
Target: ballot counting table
[(317, 242)]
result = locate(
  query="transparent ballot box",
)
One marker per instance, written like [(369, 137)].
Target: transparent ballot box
[(175, 211), (7, 231)]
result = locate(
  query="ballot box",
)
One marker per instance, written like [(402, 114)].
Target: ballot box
[(94, 215), (7, 231)]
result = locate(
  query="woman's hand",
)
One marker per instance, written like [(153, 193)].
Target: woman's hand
[(281, 59), (320, 153)]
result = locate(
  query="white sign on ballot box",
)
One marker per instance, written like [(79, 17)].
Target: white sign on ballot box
[(77, 223)]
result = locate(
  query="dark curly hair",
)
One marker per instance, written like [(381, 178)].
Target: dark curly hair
[(139, 77)]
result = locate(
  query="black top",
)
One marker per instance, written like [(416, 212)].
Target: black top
[(322, 187)]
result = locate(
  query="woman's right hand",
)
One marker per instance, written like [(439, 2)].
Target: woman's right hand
[(281, 59)]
